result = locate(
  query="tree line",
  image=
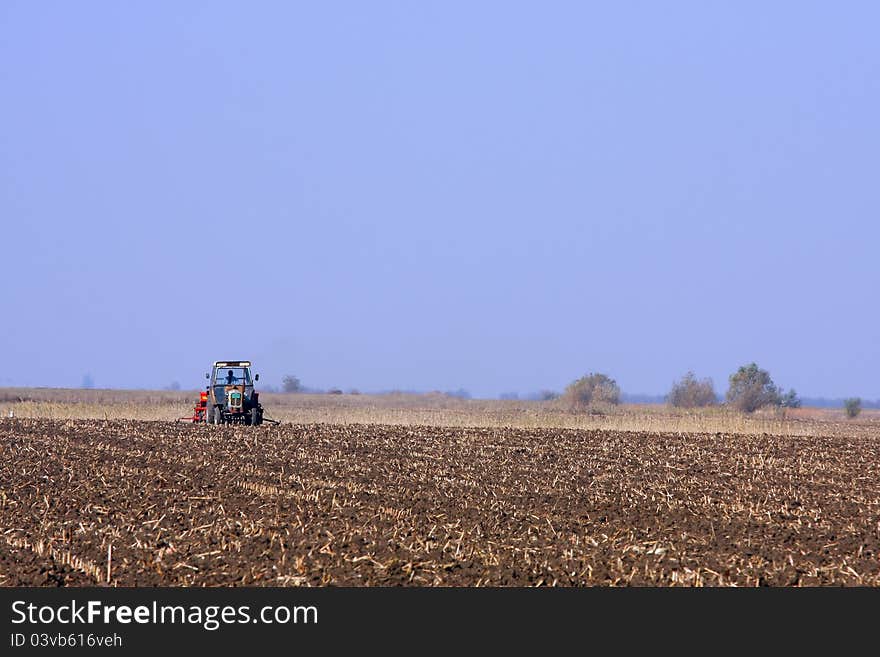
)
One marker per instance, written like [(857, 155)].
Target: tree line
[(750, 388)]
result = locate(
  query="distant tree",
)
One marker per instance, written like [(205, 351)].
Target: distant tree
[(174, 385), (689, 392), (852, 406), (290, 384), (461, 393), (334, 391), (752, 388), (790, 399), (547, 395), (87, 381), (590, 389), (509, 395)]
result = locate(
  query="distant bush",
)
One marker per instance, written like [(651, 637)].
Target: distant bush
[(790, 399), (174, 385), (689, 392), (591, 389), (852, 406), (334, 391), (291, 384), (542, 395), (461, 393), (509, 396), (752, 388)]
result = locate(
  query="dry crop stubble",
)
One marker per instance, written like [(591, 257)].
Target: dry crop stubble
[(183, 505), (437, 410)]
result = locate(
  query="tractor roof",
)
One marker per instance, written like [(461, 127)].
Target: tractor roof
[(232, 363)]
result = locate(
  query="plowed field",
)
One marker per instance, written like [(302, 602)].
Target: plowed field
[(151, 503)]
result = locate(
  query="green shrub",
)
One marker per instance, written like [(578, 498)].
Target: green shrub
[(852, 406), (752, 388), (790, 399)]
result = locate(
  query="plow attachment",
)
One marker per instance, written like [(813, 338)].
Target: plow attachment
[(198, 410)]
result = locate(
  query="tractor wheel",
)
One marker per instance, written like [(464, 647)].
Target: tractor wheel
[(256, 417), (209, 415), (218, 415)]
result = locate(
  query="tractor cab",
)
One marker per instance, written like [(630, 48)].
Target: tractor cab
[(231, 394)]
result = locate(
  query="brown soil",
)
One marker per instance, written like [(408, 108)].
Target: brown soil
[(185, 505)]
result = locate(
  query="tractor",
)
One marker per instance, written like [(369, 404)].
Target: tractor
[(230, 396)]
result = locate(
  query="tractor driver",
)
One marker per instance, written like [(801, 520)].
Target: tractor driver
[(230, 378)]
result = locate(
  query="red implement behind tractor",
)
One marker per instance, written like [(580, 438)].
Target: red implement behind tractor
[(199, 409)]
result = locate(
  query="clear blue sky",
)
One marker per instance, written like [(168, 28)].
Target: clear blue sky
[(490, 195)]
